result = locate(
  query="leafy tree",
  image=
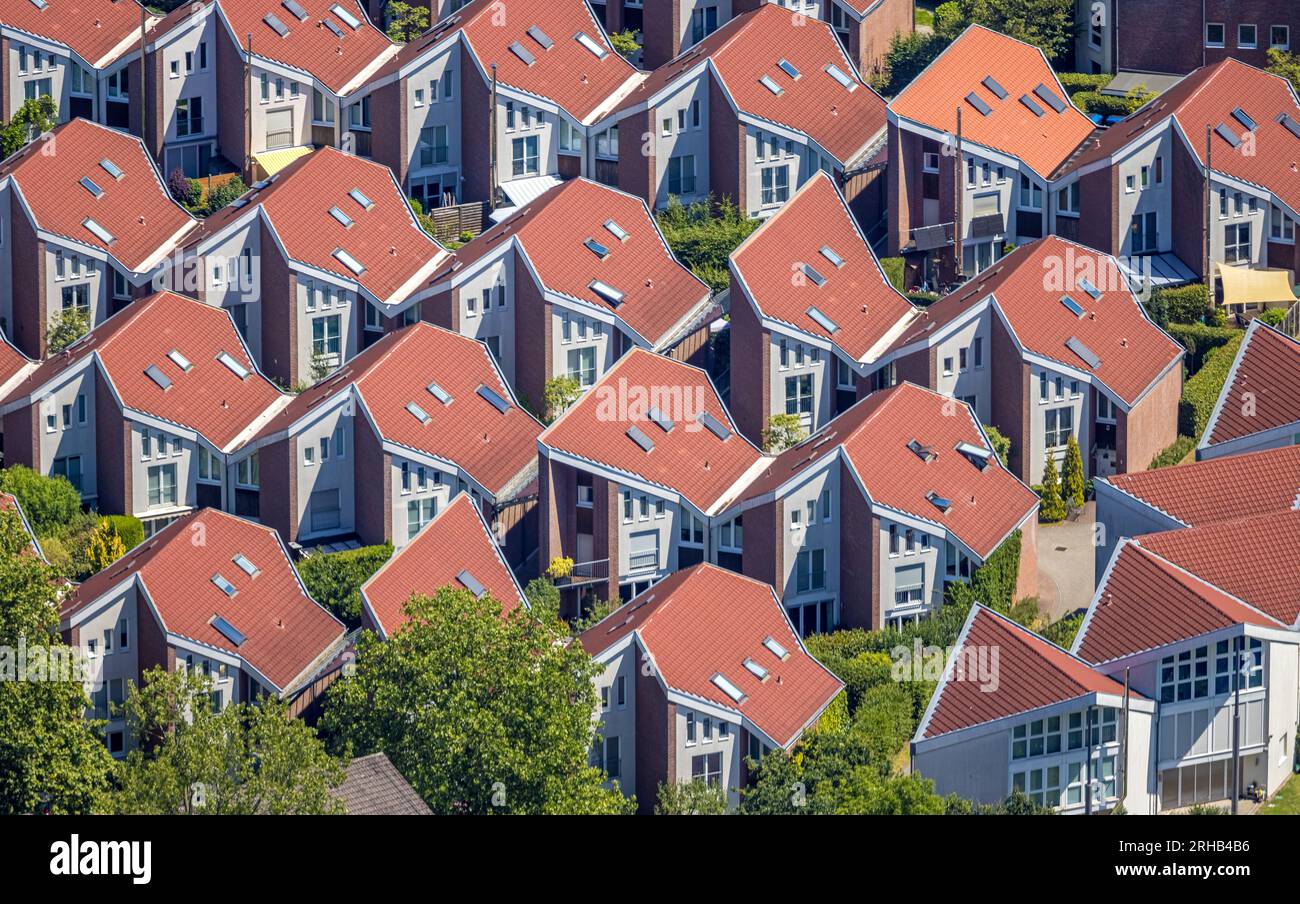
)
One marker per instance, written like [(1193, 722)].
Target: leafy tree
[(703, 234), (1285, 64), (129, 528), (782, 432), (35, 117), (1017, 803), (1074, 488), (182, 188), (50, 503), (51, 757), (105, 546), (482, 712), (405, 21), (544, 600), (693, 798), (1001, 444), (1047, 24), (334, 579), (625, 43), (1052, 508), (244, 760), (71, 325), (558, 394), (225, 193), (994, 582), (1062, 631)]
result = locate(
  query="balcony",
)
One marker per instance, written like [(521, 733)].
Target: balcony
[(585, 573), (643, 561)]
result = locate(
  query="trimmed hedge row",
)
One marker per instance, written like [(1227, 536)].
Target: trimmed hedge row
[(1173, 454), (1200, 340), (1074, 82), (1202, 391)]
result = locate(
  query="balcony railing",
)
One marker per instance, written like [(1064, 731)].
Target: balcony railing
[(643, 561), (585, 573)]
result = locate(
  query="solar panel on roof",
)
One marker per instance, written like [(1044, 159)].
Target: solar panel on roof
[(540, 37), (1075, 308), (811, 272), (1050, 98), (992, 84), (1227, 134), (1088, 287), (153, 372), (597, 248), (1075, 344), (638, 436), (788, 68), (978, 103), (494, 397), (1244, 118), (1029, 102), (227, 630)]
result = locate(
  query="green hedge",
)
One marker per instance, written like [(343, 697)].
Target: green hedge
[(1202, 391), (334, 579), (1186, 304), (895, 271), (1074, 82), (1173, 454), (1200, 340), (129, 528), (1104, 104)]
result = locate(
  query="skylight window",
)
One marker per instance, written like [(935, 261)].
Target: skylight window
[(245, 564), (226, 629), (823, 321), (978, 103), (714, 426), (1076, 345), (1049, 97), (494, 398), (341, 217), (664, 422), (775, 648), (1093, 292), (597, 248), (418, 413), (338, 32), (349, 20), (831, 256), (788, 68), (179, 360), (361, 199), (736, 694), (1227, 134), (767, 82), (591, 44), (756, 670), (837, 73), (616, 230), (276, 25), (349, 261), (1290, 123), (99, 231), (89, 185), (922, 451), (811, 272), (232, 365), (992, 84), (1244, 118), (295, 7), (978, 456), (439, 393), (223, 585), (1032, 105), (540, 37), (938, 501), (607, 292), (521, 51), (1073, 306), (471, 584), (39, 4), (638, 436), (153, 372), (111, 168)]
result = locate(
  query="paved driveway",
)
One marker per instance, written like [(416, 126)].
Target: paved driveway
[(1066, 581)]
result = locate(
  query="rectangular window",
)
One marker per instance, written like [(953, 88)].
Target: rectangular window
[(524, 156), (1059, 424), (162, 485), (681, 175), (1214, 34)]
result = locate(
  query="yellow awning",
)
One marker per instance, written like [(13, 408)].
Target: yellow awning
[(268, 163), (1244, 286)]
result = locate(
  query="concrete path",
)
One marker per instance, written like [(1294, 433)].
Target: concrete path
[(1066, 581)]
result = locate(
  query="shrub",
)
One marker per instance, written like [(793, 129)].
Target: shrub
[(1201, 392), (703, 234), (1053, 506), (181, 188), (224, 194), (50, 503), (334, 579), (993, 583), (1173, 454), (1188, 304), (129, 528), (558, 394), (1074, 82), (71, 325), (1001, 444), (1200, 340), (782, 432), (625, 43), (1073, 490), (105, 547), (1095, 103), (895, 271), (1273, 316), (1062, 631)]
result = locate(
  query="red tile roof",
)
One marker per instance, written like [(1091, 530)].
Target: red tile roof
[(12, 362), (1042, 142), (136, 210), (1263, 389), (208, 398), (1134, 352), (285, 632), (855, 295), (660, 296), (1206, 99), (96, 30), (1254, 559), (751, 46), (1029, 673), (1145, 602), (496, 449), (1219, 489), (311, 46), (690, 459), (566, 73), (985, 505), (456, 541), (706, 621), (385, 238)]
